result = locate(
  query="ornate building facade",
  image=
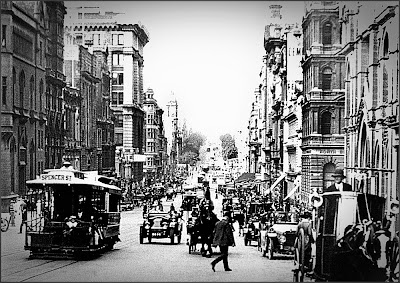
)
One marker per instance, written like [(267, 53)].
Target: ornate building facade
[(32, 80), (370, 37), (324, 97), (155, 139), (124, 44)]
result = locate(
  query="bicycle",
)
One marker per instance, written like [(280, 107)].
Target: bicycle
[(5, 224)]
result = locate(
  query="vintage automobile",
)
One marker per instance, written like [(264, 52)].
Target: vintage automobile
[(161, 225), (189, 201), (251, 231), (279, 237), (126, 206)]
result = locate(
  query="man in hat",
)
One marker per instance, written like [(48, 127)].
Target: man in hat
[(338, 185)]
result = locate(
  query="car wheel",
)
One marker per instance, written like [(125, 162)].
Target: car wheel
[(141, 235), (246, 241), (149, 235), (179, 238), (172, 235)]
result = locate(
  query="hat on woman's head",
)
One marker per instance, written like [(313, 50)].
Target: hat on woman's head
[(339, 173)]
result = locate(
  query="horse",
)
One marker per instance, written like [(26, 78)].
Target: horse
[(206, 221), (356, 255)]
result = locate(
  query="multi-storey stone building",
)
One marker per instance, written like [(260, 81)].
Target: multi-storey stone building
[(292, 114), (370, 38), (124, 44), (154, 129), (104, 117), (88, 125), (32, 79), (324, 96), (255, 137), (55, 83)]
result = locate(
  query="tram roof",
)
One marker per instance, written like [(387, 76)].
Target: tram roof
[(66, 176)]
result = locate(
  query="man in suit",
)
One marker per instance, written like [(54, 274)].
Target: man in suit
[(338, 185), (223, 237)]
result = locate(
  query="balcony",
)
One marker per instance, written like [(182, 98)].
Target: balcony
[(325, 140), (50, 73)]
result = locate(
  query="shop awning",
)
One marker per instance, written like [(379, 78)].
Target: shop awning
[(245, 177), (291, 193), (277, 181)]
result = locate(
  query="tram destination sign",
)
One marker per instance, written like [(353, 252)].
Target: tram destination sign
[(55, 177)]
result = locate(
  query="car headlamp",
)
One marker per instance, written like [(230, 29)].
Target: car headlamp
[(282, 239)]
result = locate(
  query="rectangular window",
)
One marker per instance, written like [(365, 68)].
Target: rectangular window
[(4, 90), (78, 39), (114, 99), (120, 98), (120, 39), (118, 79), (3, 35), (117, 59), (114, 39)]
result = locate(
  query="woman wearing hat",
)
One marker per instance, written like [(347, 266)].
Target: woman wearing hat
[(338, 185)]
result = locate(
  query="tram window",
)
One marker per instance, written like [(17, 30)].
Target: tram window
[(114, 200), (98, 201)]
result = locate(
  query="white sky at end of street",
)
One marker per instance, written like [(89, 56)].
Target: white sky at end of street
[(209, 53)]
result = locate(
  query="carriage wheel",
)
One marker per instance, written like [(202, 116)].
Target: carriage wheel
[(301, 254), (394, 261)]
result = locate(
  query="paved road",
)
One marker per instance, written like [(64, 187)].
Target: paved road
[(131, 261)]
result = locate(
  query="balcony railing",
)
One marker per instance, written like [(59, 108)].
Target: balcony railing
[(323, 139)]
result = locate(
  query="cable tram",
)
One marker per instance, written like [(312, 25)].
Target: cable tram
[(75, 213)]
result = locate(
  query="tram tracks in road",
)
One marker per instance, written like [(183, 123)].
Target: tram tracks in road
[(35, 270)]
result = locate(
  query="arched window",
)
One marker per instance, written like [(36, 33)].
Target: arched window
[(329, 169), (376, 165), (14, 81), (327, 79), (326, 119), (32, 161), (385, 85), (21, 88), (41, 89), (32, 92), (386, 46), (327, 33)]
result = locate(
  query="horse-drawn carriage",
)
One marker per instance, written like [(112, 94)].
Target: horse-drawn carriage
[(161, 225), (347, 240), (200, 227)]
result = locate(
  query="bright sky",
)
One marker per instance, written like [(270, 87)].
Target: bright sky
[(209, 53)]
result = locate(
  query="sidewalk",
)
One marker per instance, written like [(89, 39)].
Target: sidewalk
[(12, 241)]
